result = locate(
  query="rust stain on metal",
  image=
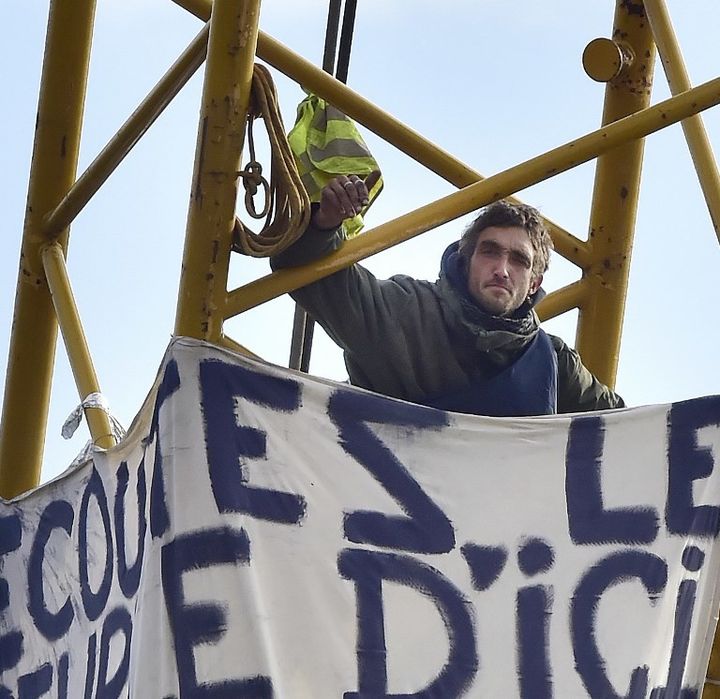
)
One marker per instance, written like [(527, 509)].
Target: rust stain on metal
[(633, 8), (197, 189), (31, 277), (636, 84)]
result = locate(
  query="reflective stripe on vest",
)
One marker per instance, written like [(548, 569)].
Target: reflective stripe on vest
[(326, 143)]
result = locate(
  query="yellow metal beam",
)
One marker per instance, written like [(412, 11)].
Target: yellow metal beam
[(614, 204), (679, 81), (226, 93), (127, 136), (75, 342), (563, 300), (53, 169), (383, 124), (498, 186), (712, 686), (228, 343)]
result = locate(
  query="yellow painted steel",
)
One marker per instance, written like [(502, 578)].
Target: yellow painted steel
[(226, 93), (381, 123), (127, 136), (712, 687), (707, 172), (679, 81), (563, 300), (479, 194), (235, 346), (614, 204), (53, 169), (77, 349)]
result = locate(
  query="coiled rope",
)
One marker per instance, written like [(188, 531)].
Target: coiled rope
[(287, 205)]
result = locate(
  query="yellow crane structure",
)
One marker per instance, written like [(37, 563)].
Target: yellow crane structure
[(228, 44)]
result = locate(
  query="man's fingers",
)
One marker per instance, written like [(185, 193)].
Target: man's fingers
[(345, 196), (346, 193)]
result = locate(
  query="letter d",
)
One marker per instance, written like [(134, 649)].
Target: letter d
[(368, 569)]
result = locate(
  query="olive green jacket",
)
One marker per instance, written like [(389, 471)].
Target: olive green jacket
[(413, 339)]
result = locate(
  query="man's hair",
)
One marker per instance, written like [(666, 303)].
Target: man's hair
[(503, 214)]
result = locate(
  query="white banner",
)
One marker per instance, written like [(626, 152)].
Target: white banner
[(260, 533)]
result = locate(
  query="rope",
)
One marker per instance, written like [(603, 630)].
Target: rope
[(287, 205)]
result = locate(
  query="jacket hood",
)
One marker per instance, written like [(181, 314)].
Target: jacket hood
[(495, 336)]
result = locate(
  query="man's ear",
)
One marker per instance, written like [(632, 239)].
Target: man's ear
[(535, 285)]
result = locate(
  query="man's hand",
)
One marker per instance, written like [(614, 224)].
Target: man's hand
[(343, 197)]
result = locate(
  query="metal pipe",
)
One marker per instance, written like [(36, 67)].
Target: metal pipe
[(234, 346), (301, 340), (54, 165), (332, 29), (75, 342), (476, 195), (127, 136), (307, 345), (383, 124), (614, 204), (697, 139), (348, 26), (298, 336), (563, 300), (221, 133)]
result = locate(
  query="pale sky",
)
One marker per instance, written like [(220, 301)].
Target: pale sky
[(492, 86)]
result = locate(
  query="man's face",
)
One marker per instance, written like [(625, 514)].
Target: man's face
[(500, 271)]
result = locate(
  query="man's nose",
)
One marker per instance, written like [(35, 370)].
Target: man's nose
[(501, 266)]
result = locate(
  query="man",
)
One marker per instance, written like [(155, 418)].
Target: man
[(470, 342)]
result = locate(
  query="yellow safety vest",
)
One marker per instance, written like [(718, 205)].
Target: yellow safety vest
[(326, 143)]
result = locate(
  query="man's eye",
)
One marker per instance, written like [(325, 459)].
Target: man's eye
[(490, 252), (520, 260)]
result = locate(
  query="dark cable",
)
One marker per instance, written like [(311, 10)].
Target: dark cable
[(346, 37), (331, 36), (303, 324)]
